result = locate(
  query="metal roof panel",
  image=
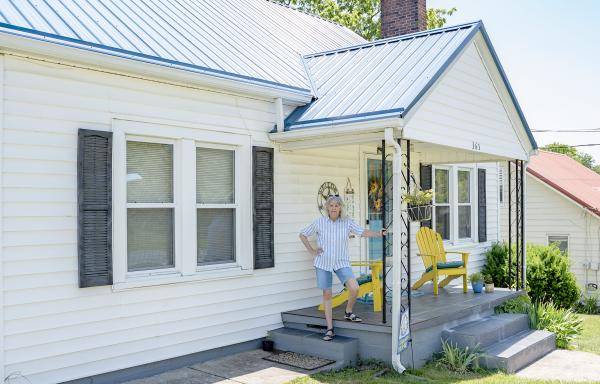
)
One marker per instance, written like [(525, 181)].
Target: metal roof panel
[(254, 39)]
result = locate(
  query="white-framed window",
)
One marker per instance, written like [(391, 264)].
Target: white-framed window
[(454, 214), (182, 204), (561, 240)]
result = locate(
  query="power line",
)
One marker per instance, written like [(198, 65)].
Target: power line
[(591, 130)]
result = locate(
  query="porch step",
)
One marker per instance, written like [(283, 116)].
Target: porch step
[(344, 350), (506, 340), (518, 351), (486, 331)]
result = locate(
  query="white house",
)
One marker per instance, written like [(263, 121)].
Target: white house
[(563, 206), (150, 209)]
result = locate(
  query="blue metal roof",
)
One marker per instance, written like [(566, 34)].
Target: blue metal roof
[(246, 39), (384, 78)]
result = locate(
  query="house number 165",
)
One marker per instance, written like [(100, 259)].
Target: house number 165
[(476, 146)]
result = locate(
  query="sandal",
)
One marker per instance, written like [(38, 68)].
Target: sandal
[(329, 335), (352, 317)]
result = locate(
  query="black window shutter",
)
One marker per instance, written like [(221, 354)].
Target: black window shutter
[(94, 200), (481, 206), (426, 183), (264, 250)]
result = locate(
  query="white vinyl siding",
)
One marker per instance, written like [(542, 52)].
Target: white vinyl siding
[(54, 331), (464, 110), (551, 213)]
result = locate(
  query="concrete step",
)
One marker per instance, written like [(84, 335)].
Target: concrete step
[(519, 350), (487, 330), (344, 350)]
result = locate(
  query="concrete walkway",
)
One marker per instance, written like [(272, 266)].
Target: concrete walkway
[(565, 365), (241, 368)]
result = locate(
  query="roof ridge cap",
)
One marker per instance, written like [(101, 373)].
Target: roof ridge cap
[(392, 39)]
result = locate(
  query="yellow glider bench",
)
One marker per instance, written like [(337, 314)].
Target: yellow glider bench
[(368, 285), (431, 250)]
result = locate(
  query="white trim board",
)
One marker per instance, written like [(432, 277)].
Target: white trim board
[(2, 373)]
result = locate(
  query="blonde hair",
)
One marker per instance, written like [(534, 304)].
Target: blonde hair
[(335, 199)]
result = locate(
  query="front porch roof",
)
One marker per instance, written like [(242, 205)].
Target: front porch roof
[(388, 79)]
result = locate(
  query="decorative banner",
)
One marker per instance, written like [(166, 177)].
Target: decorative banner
[(404, 334), (327, 189), (349, 200)]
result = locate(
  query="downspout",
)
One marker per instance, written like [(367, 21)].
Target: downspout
[(396, 252), (280, 122)]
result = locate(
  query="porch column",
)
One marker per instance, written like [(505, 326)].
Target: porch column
[(524, 217), (398, 207)]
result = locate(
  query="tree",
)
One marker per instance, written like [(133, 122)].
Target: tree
[(582, 157), (361, 16)]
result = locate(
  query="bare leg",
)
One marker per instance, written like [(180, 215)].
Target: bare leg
[(352, 287), (327, 308)]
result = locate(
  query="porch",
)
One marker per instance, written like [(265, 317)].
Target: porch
[(431, 315)]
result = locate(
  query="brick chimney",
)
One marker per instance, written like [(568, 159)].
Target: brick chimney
[(399, 17)]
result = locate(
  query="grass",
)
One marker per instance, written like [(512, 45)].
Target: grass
[(589, 340), (377, 374)]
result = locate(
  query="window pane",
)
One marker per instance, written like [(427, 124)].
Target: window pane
[(441, 186), (464, 187), (149, 172), (149, 238), (216, 235), (214, 176), (464, 221), (442, 221), (561, 241)]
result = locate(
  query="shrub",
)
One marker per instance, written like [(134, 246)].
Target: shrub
[(520, 304), (549, 277), (563, 322), (497, 262), (589, 303), (457, 359)]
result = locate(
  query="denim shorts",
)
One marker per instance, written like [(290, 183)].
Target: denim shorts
[(324, 278)]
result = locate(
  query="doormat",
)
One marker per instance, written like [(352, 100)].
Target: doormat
[(298, 360)]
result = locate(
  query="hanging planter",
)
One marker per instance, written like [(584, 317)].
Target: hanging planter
[(418, 204), (419, 212)]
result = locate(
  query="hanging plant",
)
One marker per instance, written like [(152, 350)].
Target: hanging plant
[(419, 205)]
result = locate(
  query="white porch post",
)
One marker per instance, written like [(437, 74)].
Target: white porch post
[(396, 252)]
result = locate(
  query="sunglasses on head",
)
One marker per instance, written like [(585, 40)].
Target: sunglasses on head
[(333, 196)]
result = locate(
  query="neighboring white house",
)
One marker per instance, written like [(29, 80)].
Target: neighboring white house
[(563, 206), (149, 208)]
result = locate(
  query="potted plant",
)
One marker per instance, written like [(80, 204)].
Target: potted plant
[(418, 204), (267, 344), (476, 282), (489, 284)]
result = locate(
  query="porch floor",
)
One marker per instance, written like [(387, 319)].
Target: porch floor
[(427, 310)]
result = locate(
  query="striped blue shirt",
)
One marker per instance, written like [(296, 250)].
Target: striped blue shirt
[(332, 238)]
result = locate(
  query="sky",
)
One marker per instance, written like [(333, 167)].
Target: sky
[(550, 51)]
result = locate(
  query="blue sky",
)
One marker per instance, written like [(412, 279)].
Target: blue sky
[(550, 51)]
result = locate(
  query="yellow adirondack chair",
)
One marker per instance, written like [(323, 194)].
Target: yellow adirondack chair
[(373, 286), (431, 250)]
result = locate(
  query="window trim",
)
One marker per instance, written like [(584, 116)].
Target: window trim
[(185, 142), (453, 203)]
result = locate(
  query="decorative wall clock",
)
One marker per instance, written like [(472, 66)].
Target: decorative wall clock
[(327, 189)]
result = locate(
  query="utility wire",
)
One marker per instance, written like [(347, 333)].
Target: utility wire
[(591, 130)]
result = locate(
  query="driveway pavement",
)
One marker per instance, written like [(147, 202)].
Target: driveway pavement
[(565, 365), (241, 368)]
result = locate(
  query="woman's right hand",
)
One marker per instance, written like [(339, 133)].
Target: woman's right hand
[(317, 252)]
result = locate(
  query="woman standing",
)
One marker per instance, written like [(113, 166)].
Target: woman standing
[(331, 255)]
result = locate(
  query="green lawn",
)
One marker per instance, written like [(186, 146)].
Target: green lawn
[(589, 340), (428, 374)]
